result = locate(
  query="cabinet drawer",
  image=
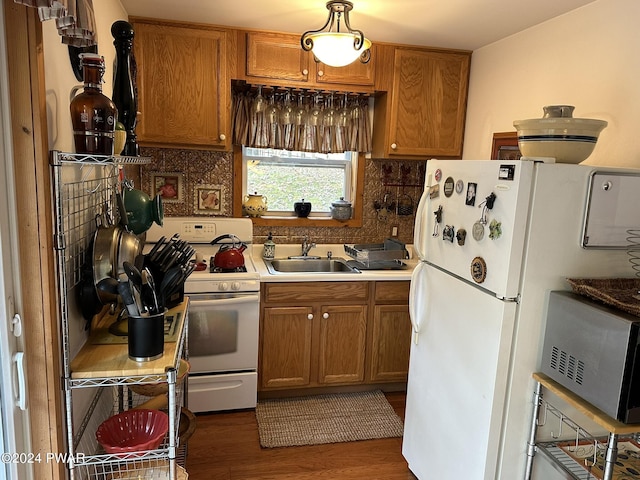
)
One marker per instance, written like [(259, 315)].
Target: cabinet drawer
[(392, 292), (316, 291)]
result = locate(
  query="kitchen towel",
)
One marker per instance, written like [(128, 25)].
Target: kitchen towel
[(326, 419)]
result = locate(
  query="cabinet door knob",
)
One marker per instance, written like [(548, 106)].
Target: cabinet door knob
[(320, 73), (325, 315), (310, 316), (305, 72), (223, 137), (394, 146)]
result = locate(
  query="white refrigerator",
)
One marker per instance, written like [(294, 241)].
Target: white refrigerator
[(494, 237)]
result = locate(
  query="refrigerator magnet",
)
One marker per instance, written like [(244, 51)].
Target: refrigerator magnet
[(478, 231), (459, 186), (448, 233), (448, 187), (478, 270), (438, 175), (495, 229), (471, 194), (461, 236)]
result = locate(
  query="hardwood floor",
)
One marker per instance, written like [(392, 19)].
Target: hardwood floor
[(225, 446)]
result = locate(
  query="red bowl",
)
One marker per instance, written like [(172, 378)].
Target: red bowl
[(133, 431)]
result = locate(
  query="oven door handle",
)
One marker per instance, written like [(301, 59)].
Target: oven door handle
[(208, 300)]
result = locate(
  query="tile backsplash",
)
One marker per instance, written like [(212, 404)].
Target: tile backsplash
[(200, 170)]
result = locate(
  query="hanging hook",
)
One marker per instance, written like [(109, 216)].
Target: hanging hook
[(577, 441), (85, 177), (560, 428), (595, 456), (540, 423)]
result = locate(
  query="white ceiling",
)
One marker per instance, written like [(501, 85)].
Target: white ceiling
[(464, 24)]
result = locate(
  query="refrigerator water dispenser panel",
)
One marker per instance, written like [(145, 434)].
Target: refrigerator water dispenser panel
[(612, 210)]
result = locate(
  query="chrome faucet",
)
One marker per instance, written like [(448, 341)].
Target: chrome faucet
[(306, 246)]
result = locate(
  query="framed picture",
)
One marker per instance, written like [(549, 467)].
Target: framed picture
[(170, 186), (505, 146), (208, 199)]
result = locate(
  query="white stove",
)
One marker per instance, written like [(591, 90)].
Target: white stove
[(224, 309), (199, 232)]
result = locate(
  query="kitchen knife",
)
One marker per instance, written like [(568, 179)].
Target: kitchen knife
[(124, 289), (154, 250), (148, 293)]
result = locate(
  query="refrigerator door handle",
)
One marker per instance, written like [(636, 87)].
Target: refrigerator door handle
[(415, 301), (420, 224)]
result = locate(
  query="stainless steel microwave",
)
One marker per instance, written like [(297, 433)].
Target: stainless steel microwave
[(594, 351)]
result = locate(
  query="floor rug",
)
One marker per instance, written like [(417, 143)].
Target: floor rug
[(326, 419)]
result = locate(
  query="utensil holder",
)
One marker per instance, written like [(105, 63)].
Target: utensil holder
[(146, 337)]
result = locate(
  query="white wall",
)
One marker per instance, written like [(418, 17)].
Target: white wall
[(588, 58), (59, 76)]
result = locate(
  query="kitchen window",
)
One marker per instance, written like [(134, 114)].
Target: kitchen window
[(285, 177)]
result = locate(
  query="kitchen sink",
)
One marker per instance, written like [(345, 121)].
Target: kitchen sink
[(310, 265)]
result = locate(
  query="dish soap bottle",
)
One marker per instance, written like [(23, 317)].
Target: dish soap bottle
[(269, 250)]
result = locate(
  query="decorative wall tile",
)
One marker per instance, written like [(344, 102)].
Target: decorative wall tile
[(385, 181)]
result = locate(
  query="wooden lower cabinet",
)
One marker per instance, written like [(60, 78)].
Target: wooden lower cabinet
[(319, 334), (390, 343), (342, 338), (291, 357), (285, 341), (390, 337)]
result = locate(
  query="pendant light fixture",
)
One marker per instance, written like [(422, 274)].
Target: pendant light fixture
[(333, 47)]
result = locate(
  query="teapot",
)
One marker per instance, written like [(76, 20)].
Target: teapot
[(229, 256), (254, 205)]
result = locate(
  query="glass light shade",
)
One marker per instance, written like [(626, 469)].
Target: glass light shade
[(336, 49)]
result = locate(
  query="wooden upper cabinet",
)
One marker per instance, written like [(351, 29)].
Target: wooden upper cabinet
[(423, 113), (183, 86), (356, 73), (278, 59), (276, 56)]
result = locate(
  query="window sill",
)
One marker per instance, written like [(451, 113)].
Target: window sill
[(304, 222)]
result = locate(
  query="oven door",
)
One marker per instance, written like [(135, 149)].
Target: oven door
[(223, 332)]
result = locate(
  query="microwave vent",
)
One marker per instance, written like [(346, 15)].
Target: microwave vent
[(567, 365)]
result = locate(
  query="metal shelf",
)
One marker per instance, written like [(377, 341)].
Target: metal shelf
[(604, 450), (59, 158), (84, 188), (564, 462)]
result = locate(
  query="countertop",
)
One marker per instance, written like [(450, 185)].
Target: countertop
[(284, 251), (112, 360)]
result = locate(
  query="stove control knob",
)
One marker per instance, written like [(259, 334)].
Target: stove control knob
[(235, 286), (223, 286)]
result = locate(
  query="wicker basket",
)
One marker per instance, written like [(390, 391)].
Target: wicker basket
[(149, 472), (155, 389), (622, 293)]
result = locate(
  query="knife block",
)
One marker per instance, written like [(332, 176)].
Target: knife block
[(175, 298)]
